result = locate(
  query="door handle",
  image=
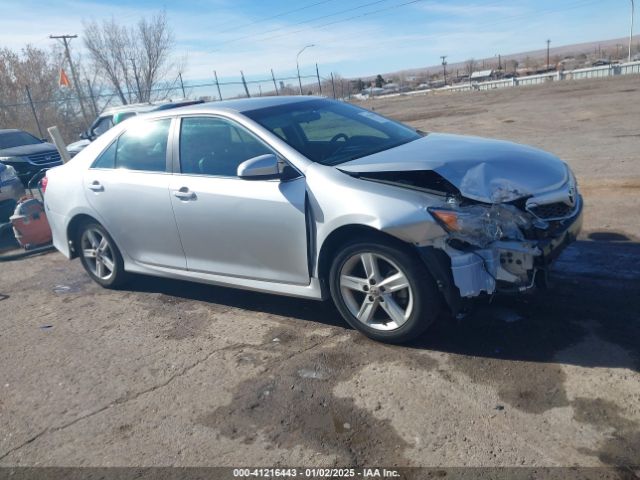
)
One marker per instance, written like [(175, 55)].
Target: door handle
[(184, 194), (96, 186)]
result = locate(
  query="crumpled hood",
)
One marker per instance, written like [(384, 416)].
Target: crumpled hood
[(26, 150), (482, 169)]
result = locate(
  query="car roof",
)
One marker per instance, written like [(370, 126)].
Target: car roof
[(241, 105), (11, 130), (148, 107), (132, 107)]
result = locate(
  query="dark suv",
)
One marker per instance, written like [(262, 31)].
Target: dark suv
[(26, 153)]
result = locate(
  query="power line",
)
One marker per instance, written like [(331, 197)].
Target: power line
[(310, 20), (289, 12), (489, 24), (346, 19)]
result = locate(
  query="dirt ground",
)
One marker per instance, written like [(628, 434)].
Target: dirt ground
[(174, 373)]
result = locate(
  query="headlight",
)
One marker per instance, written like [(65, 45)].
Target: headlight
[(481, 225), (12, 159), (8, 174)]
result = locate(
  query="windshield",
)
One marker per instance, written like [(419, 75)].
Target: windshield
[(330, 132), (17, 139)]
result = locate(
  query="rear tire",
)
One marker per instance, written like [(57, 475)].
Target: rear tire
[(384, 290), (100, 256)]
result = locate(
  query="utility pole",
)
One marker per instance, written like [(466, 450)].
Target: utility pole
[(548, 43), (444, 68), (631, 29), (65, 40)]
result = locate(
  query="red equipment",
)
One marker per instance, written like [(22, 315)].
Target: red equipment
[(30, 225)]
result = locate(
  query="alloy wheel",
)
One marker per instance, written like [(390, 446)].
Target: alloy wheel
[(98, 253), (376, 291)]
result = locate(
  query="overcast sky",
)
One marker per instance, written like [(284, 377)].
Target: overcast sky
[(352, 37)]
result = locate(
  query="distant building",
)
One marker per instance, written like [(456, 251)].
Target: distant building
[(373, 91), (481, 76), (390, 87)]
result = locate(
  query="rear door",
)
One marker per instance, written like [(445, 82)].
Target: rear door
[(128, 186), (229, 226)]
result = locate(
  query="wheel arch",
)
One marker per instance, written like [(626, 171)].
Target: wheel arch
[(435, 261), (342, 236), (72, 230)]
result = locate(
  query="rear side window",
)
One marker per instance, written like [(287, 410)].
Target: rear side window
[(142, 147), (216, 146), (108, 158)]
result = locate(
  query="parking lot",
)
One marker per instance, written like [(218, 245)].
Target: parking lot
[(174, 373)]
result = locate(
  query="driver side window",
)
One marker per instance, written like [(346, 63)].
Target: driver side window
[(216, 146)]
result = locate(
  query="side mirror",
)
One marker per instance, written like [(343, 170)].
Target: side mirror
[(84, 135), (262, 167)]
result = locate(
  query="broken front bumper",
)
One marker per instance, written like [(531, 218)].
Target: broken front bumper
[(506, 265)]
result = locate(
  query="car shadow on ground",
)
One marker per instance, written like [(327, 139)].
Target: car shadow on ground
[(296, 308), (589, 311), (593, 296)]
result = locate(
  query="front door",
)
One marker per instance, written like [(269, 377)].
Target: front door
[(229, 226)]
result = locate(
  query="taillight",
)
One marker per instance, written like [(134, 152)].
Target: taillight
[(43, 184)]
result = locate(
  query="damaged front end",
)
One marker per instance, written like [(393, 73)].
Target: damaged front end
[(507, 210), (505, 247), (505, 244)]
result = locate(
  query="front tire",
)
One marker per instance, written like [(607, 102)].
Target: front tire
[(384, 290), (100, 256)]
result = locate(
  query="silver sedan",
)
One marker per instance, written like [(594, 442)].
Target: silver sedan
[(314, 198)]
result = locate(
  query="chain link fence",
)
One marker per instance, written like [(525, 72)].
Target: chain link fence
[(35, 113)]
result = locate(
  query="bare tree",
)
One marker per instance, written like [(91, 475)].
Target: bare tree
[(133, 60), (156, 41), (104, 44), (470, 66)]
